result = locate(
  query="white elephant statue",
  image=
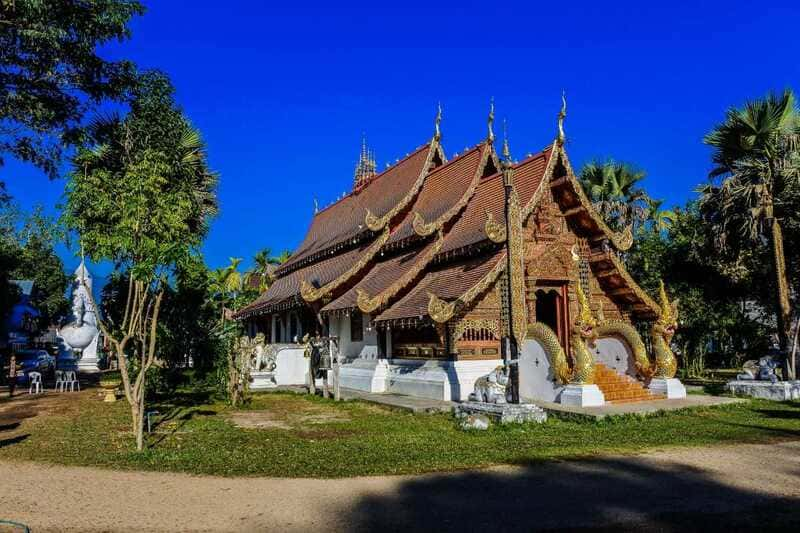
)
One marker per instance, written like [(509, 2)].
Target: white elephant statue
[(491, 388)]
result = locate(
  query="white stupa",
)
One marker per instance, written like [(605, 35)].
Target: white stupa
[(81, 336)]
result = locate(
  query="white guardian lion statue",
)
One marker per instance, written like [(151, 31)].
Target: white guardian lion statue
[(491, 388)]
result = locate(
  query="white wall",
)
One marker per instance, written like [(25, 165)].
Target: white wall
[(537, 380), (365, 349), (615, 353)]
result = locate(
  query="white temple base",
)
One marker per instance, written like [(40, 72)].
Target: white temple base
[(368, 375), (582, 396), (262, 380), (88, 364), (434, 379), (672, 388), (780, 391)]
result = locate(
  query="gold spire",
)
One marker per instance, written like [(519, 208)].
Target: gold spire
[(366, 166), (438, 134), (561, 116), (506, 150), (490, 120)]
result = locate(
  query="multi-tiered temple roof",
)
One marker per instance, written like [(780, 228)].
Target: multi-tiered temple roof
[(428, 232)]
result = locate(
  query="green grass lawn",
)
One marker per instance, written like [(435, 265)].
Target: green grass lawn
[(299, 436)]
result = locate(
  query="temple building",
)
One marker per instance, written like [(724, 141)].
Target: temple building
[(422, 269)]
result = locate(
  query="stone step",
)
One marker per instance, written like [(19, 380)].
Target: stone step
[(611, 387), (618, 388), (650, 397), (627, 395)]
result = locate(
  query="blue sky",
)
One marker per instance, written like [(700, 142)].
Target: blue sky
[(283, 93)]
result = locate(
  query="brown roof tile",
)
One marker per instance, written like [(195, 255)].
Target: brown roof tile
[(344, 219), (448, 283), (443, 188), (381, 277), (288, 287), (490, 196)]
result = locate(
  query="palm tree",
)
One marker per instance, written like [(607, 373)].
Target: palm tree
[(756, 155), (264, 268), (192, 151), (225, 285), (613, 189), (662, 219)]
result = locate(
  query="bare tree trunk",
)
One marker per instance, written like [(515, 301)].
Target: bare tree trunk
[(783, 310), (139, 420)]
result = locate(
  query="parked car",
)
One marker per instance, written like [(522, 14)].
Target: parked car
[(35, 361)]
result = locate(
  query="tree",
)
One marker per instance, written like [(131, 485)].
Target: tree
[(28, 252), (51, 73), (264, 268), (756, 156), (661, 219), (717, 324), (141, 195), (613, 188), (226, 285)]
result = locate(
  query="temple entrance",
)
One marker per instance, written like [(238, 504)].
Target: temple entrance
[(551, 309)]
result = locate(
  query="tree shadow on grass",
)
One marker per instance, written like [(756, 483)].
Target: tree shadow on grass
[(619, 494), (183, 405), (13, 440), (9, 427)]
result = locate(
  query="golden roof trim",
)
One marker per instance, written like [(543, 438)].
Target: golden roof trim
[(496, 231), (376, 223), (623, 240), (424, 229), (540, 190), (637, 290), (312, 294), (369, 304), (442, 311)]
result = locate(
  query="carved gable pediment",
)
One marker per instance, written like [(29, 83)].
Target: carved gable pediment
[(555, 262)]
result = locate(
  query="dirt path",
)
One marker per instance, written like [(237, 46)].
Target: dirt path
[(709, 488)]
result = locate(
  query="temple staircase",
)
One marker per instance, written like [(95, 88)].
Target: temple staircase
[(619, 388)]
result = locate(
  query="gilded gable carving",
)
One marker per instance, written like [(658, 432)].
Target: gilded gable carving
[(554, 263)]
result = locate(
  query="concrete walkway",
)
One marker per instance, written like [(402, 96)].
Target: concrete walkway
[(639, 408), (425, 405), (711, 489)]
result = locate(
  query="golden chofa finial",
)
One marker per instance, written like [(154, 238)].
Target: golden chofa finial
[(561, 116), (490, 121), (506, 150), (437, 133)]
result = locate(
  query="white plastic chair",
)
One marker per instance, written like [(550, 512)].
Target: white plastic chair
[(72, 381), (35, 381), (61, 381)]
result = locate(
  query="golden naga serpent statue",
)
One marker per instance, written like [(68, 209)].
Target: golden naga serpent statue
[(583, 336), (618, 328), (662, 332), (585, 332)]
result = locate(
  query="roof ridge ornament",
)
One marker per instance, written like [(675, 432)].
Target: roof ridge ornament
[(437, 122), (490, 121), (506, 151), (561, 116), (366, 167)]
